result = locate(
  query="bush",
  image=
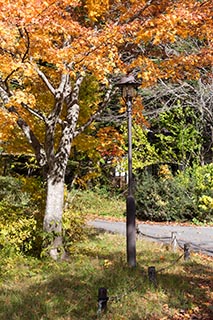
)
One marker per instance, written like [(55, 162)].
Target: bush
[(198, 181), (187, 196), (21, 213), (73, 228)]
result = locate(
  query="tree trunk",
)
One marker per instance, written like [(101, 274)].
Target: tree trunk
[(53, 214)]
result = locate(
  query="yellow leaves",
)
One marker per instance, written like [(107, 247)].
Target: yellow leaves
[(97, 50), (86, 143), (164, 172), (97, 8), (28, 70), (22, 96), (7, 122), (88, 177), (107, 263), (206, 203), (150, 72)]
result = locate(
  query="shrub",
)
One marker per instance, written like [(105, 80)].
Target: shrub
[(198, 181), (186, 196), (21, 206), (73, 228)]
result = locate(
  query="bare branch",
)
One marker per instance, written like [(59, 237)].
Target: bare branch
[(24, 55), (27, 45), (8, 77), (34, 142), (31, 137), (73, 97), (69, 125), (3, 93), (46, 81), (65, 81), (34, 112)]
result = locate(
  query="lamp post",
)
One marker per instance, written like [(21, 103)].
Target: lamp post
[(128, 87)]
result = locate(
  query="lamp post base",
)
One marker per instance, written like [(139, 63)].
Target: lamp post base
[(131, 231)]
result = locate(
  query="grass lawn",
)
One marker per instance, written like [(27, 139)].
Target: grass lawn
[(97, 204), (33, 289)]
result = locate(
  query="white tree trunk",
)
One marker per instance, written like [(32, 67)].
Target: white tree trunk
[(53, 214)]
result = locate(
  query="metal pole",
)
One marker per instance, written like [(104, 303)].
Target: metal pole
[(130, 201)]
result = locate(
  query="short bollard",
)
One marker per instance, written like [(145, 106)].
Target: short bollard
[(174, 241), (186, 251), (152, 275), (102, 299)]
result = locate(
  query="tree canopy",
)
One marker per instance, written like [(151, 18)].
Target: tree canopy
[(41, 40)]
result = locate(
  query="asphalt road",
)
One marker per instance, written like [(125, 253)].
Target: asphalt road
[(199, 238)]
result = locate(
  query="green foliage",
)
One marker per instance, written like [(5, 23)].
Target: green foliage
[(176, 139), (188, 196), (144, 154), (199, 183), (182, 141), (21, 212), (161, 200)]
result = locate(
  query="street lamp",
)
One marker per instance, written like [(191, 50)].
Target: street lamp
[(128, 87)]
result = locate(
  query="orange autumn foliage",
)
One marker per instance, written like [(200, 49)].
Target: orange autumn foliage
[(100, 37)]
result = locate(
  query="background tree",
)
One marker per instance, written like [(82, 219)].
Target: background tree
[(196, 97), (177, 138)]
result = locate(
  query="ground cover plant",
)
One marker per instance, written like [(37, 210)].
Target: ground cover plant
[(43, 289)]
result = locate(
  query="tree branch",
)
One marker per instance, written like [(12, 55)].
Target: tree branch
[(46, 81), (34, 112), (70, 122), (60, 95), (73, 97), (24, 55), (27, 45), (34, 142), (3, 93), (31, 137)]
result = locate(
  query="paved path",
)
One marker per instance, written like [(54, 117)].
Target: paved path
[(200, 238)]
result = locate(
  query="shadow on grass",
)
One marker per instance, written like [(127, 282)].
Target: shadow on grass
[(71, 292)]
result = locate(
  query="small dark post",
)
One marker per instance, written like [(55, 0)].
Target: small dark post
[(102, 299), (152, 275), (186, 251)]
